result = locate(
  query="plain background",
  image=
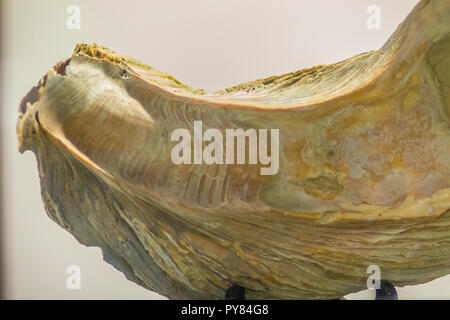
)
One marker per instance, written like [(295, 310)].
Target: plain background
[(203, 43)]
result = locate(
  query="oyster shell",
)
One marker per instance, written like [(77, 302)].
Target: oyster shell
[(363, 177)]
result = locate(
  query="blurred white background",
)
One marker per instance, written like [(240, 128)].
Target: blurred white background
[(203, 43)]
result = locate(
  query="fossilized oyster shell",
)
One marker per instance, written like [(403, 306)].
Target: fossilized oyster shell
[(363, 177)]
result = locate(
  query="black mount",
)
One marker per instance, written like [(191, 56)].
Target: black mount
[(235, 293), (386, 292)]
